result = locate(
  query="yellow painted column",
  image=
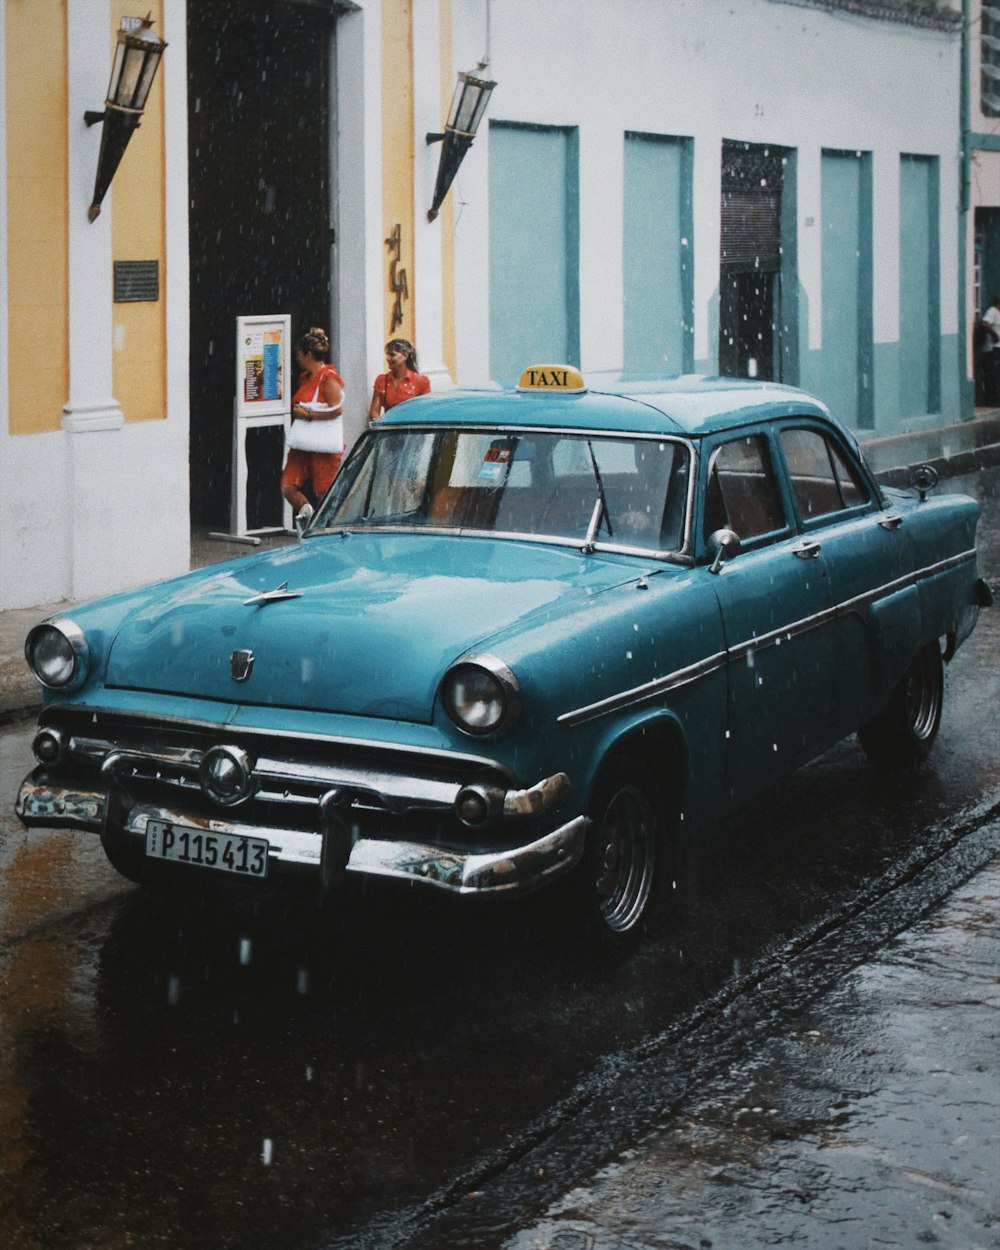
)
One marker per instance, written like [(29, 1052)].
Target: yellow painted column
[(138, 232), (446, 219), (397, 167), (37, 224)]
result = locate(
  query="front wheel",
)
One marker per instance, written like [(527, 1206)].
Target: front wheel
[(618, 876), (902, 736)]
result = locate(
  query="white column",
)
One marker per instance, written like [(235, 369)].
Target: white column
[(91, 405), (707, 195), (360, 274), (602, 229), (809, 201), (429, 297)]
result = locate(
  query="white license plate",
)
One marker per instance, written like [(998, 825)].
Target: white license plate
[(226, 852)]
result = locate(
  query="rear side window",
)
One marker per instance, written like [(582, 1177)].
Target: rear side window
[(823, 481), (742, 494)]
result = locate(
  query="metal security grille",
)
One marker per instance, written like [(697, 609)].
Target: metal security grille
[(136, 280), (751, 208)]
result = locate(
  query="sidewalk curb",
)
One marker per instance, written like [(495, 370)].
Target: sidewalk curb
[(958, 465)]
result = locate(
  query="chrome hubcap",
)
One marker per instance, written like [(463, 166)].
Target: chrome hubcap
[(626, 859), (922, 697)]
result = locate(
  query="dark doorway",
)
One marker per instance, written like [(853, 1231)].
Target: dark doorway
[(750, 260), (259, 124), (987, 237), (747, 318)]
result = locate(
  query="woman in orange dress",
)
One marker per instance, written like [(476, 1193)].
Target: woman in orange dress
[(316, 438), (401, 382)]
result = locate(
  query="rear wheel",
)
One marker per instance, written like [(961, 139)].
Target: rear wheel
[(619, 871), (903, 735)]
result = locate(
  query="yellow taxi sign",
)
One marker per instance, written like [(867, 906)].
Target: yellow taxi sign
[(562, 378)]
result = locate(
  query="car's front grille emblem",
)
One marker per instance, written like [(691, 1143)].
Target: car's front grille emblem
[(241, 664)]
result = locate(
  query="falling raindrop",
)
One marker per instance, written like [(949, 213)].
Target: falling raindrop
[(267, 1152)]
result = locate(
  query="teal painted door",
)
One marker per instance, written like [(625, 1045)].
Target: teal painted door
[(534, 249), (919, 287), (657, 243), (864, 552), (845, 370), (773, 597)]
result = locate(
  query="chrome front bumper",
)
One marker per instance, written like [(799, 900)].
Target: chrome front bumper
[(329, 854)]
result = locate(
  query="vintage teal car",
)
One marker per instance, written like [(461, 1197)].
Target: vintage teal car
[(529, 635)]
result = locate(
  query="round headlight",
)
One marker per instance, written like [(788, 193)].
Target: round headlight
[(481, 695), (57, 653)]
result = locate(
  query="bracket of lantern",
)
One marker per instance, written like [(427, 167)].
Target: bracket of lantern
[(137, 56), (468, 104)]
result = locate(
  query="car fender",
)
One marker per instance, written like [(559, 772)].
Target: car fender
[(896, 624), (660, 737)]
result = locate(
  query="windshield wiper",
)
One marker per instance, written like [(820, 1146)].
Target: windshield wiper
[(600, 507)]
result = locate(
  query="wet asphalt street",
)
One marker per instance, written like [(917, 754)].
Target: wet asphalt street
[(795, 1059)]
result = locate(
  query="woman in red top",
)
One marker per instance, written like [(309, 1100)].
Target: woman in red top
[(316, 437), (401, 382)]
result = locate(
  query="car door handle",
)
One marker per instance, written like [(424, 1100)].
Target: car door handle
[(807, 550), (891, 522)]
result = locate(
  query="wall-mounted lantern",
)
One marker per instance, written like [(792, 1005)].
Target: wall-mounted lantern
[(468, 105), (137, 56)]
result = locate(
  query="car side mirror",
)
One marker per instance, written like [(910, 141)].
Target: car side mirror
[(723, 545)]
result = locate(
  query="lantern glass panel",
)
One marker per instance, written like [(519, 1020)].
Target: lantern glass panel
[(146, 81), (116, 69), (481, 103), (131, 74), (467, 106), (456, 102)]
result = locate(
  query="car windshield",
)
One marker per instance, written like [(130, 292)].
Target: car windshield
[(580, 488)]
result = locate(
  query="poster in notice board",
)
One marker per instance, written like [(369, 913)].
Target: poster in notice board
[(263, 366)]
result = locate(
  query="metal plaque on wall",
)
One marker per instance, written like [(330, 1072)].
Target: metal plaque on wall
[(136, 280)]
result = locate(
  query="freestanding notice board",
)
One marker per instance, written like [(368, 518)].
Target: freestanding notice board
[(261, 412)]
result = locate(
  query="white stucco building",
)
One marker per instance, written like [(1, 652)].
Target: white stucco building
[(764, 187)]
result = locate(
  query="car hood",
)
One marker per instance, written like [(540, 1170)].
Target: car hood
[(366, 632)]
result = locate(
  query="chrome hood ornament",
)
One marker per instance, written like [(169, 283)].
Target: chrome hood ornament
[(272, 596)]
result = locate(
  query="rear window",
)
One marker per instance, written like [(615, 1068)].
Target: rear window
[(823, 481)]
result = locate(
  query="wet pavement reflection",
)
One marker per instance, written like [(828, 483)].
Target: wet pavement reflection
[(205, 1073)]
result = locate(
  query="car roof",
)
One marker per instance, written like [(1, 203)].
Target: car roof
[(689, 405)]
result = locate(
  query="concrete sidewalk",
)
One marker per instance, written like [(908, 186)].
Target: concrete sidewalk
[(953, 450), (871, 1118)]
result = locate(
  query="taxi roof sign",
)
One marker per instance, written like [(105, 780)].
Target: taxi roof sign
[(563, 378)]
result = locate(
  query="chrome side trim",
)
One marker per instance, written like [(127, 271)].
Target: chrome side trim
[(761, 642), (649, 690)]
